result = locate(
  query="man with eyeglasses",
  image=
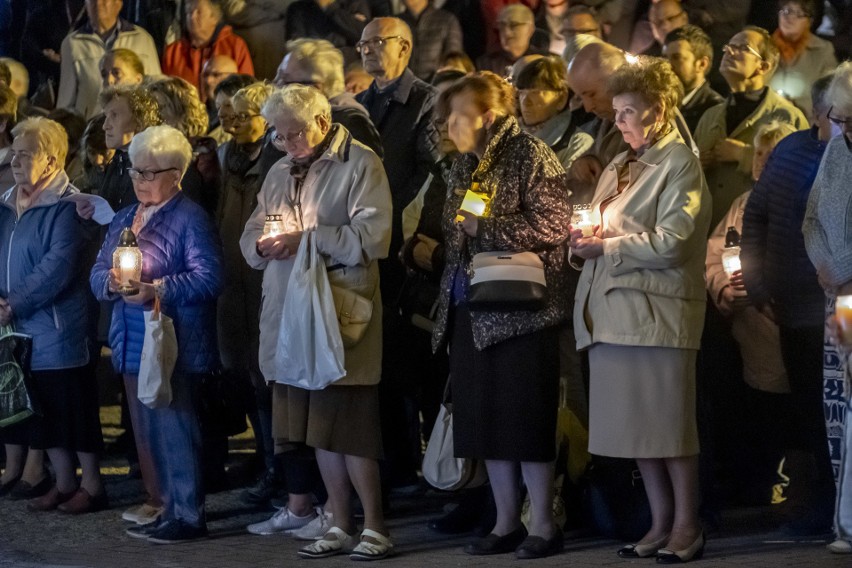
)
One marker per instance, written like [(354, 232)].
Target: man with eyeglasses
[(401, 107), (516, 26), (214, 72), (664, 17), (726, 131)]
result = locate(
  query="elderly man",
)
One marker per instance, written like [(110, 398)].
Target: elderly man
[(318, 63), (400, 105), (205, 36), (689, 51), (516, 26), (664, 16), (726, 131), (82, 50), (436, 33)]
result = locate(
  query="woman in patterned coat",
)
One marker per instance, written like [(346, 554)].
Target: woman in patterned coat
[(504, 364)]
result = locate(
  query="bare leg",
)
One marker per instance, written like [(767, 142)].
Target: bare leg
[(14, 462), (683, 473), (91, 466), (63, 465), (34, 467), (364, 473), (336, 478), (538, 477), (658, 486), (504, 484)]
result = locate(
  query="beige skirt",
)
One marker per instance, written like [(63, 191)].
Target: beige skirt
[(642, 401), (339, 419)]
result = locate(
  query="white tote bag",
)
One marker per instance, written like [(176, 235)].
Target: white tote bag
[(159, 354), (310, 348)]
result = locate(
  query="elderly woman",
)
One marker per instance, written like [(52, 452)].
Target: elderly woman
[(829, 245), (181, 108), (43, 294), (127, 111), (640, 304), (804, 56), (543, 96), (335, 187), (182, 265), (504, 365), (120, 67)]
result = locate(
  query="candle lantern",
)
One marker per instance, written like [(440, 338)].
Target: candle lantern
[(273, 226), (843, 315), (583, 219), (127, 261), (474, 201), (731, 253)]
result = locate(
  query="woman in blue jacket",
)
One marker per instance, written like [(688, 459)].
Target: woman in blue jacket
[(43, 294), (182, 264)]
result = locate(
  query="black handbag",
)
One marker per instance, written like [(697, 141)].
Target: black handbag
[(223, 403), (18, 399), (614, 498)]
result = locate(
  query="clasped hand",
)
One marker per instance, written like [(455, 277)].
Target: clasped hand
[(279, 247), (146, 291), (5, 312), (586, 247)]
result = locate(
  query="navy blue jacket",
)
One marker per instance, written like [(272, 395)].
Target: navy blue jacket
[(181, 246), (776, 267), (41, 275)]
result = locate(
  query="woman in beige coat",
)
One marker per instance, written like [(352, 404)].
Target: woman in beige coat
[(332, 185), (639, 306)]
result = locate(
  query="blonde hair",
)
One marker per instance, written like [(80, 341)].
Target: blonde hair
[(51, 138), (166, 145), (653, 79), (299, 101), (254, 96), (490, 91), (143, 107), (180, 98), (323, 60), (771, 133)]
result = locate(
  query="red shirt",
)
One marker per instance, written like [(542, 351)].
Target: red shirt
[(182, 60)]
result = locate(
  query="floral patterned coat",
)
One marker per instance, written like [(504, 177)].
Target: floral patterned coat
[(529, 211)]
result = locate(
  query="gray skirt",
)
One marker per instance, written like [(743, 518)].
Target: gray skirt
[(642, 402)]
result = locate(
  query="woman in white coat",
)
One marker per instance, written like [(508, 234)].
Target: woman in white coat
[(334, 186)]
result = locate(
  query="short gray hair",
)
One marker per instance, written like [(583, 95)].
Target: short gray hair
[(840, 90), (51, 138), (165, 144), (323, 60), (298, 101)]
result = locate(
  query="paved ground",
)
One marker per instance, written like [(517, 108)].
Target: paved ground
[(29, 540)]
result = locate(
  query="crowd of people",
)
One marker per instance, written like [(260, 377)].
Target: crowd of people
[(676, 171)]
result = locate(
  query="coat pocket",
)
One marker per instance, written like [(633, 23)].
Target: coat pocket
[(628, 310)]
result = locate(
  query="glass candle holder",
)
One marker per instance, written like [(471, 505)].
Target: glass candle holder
[(843, 314), (583, 218), (127, 261), (273, 226)]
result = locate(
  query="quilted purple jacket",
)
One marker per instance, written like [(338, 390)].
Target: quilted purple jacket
[(181, 246)]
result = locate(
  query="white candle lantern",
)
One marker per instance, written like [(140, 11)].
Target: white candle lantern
[(273, 226), (583, 219), (731, 253), (127, 261)]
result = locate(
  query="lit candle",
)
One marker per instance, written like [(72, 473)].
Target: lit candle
[(583, 219), (127, 261), (273, 226), (843, 314), (473, 202), (731, 260)]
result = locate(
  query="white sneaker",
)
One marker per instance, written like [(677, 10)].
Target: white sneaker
[(316, 529), (143, 514), (283, 521)]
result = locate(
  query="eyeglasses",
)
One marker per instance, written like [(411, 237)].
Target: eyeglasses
[(147, 175), (737, 49), (663, 21), (278, 140), (243, 116), (375, 42), (791, 13), (510, 25), (841, 122)]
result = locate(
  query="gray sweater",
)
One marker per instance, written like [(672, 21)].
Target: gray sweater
[(828, 226)]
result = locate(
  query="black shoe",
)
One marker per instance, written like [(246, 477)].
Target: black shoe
[(265, 489), (493, 544), (24, 491), (538, 547), (144, 531), (174, 531), (9, 485)]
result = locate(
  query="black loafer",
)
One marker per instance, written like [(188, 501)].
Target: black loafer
[(539, 547), (493, 544)]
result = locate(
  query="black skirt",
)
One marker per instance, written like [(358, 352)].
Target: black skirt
[(71, 416), (505, 397)]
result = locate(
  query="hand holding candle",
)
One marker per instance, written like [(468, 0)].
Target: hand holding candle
[(843, 317), (583, 219), (474, 203)]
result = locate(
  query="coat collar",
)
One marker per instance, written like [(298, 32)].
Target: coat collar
[(555, 128), (338, 148), (770, 102), (400, 91), (50, 195), (654, 155), (505, 128)]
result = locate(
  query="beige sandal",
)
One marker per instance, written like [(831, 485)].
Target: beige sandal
[(367, 550), (326, 547)]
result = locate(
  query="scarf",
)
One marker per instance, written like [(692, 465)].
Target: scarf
[(300, 166), (790, 50)]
